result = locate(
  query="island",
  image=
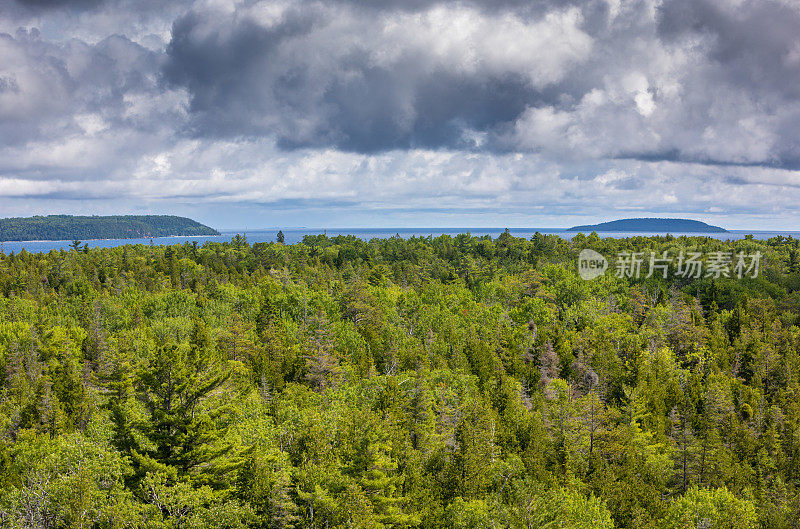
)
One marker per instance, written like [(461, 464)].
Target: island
[(651, 225), (68, 227)]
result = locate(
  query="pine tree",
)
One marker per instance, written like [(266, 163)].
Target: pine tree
[(119, 382), (549, 364), (561, 417), (475, 451), (381, 480), (265, 482), (322, 367), (687, 447), (173, 386)]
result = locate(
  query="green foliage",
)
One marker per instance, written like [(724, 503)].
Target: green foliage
[(717, 509), (558, 507), (468, 515), (68, 227), (65, 481), (430, 382), (175, 388)]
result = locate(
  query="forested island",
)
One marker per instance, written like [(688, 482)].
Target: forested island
[(68, 227), (651, 225), (448, 382)]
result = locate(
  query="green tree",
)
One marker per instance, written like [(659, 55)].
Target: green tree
[(176, 387), (265, 483), (557, 507), (712, 508), (381, 480)]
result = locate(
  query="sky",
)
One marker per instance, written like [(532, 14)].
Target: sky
[(403, 113)]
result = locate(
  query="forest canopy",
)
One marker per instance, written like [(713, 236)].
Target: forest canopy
[(68, 227), (448, 382)]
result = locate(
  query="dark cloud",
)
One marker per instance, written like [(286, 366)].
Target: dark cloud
[(752, 50), (317, 77), (231, 72), (523, 7), (369, 113), (87, 5), (754, 46), (295, 81), (54, 83)]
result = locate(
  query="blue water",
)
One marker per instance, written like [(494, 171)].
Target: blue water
[(296, 235)]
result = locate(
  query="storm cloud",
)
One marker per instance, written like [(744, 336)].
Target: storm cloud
[(338, 76), (686, 80), (509, 95)]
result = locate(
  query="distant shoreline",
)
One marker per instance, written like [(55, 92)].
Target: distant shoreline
[(294, 236), (114, 238), (99, 227), (334, 232), (654, 224)]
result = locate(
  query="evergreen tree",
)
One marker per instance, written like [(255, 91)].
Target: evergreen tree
[(176, 388), (265, 482), (381, 481)]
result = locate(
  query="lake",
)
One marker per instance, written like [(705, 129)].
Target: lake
[(296, 235)]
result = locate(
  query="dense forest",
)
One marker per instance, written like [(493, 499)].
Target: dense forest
[(68, 227), (448, 382)]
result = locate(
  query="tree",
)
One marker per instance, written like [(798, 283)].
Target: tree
[(119, 383), (557, 507), (265, 482), (712, 508), (174, 387), (549, 364), (64, 481), (441, 382), (562, 414), (684, 436), (593, 414), (468, 514), (475, 450), (280, 237), (322, 366), (381, 481)]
